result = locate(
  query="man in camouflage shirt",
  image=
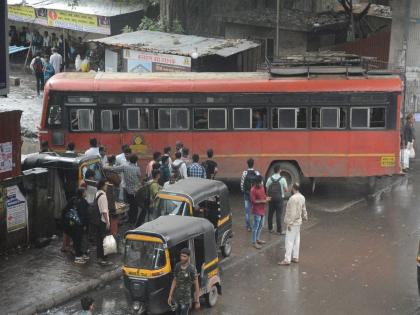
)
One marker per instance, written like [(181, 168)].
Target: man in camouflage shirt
[(185, 275)]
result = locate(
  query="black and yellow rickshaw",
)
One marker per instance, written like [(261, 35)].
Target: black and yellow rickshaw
[(204, 198), (152, 251), (70, 170)]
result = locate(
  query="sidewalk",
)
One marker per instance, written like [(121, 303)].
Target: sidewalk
[(38, 279)]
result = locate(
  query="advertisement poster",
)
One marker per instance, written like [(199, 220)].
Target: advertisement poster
[(139, 61), (6, 158), (21, 13), (16, 209), (79, 22)]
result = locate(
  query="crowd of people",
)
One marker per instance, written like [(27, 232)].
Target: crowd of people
[(137, 190)]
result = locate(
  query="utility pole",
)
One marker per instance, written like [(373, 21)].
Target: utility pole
[(4, 50), (277, 30), (405, 49)]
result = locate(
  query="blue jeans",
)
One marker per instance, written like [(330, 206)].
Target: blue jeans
[(257, 227), (247, 200)]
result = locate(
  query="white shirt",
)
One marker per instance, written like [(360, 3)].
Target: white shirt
[(104, 160), (182, 168), (102, 204), (92, 151), (120, 159), (56, 60)]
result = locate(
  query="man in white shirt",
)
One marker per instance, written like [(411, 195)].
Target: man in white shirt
[(121, 158), (179, 167), (93, 150), (295, 212), (104, 158), (104, 224), (56, 60)]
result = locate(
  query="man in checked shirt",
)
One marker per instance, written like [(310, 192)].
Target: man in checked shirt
[(132, 178), (195, 169)]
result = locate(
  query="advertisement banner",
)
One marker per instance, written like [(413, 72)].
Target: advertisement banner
[(6, 157), (17, 209), (79, 22), (139, 61), (21, 13)]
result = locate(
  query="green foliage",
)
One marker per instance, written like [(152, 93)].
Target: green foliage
[(149, 24), (126, 29)]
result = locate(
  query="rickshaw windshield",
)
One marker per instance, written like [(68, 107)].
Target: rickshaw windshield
[(95, 167), (144, 255), (172, 207)]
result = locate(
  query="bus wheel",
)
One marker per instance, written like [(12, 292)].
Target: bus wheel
[(211, 297), (227, 247), (288, 171)]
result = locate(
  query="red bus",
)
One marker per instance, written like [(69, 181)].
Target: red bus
[(328, 126)]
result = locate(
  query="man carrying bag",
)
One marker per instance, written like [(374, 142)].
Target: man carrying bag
[(276, 187)]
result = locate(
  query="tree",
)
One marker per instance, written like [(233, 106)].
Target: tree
[(348, 8)]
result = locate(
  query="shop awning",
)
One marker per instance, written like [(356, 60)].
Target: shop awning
[(16, 49)]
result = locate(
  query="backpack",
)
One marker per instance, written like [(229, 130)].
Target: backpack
[(275, 190), (249, 181), (95, 213), (176, 171), (71, 218), (209, 166), (38, 66)]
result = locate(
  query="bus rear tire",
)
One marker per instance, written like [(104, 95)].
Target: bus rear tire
[(289, 171)]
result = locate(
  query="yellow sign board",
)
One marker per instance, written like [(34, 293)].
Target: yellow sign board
[(21, 13), (388, 161)]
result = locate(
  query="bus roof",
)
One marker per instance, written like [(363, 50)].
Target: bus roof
[(213, 82)]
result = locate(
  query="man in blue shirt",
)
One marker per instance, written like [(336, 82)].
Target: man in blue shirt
[(196, 170)]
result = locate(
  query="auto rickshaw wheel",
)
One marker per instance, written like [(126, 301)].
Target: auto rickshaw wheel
[(227, 247), (211, 297)]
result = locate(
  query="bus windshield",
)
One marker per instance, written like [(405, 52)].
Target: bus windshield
[(172, 207), (144, 255)]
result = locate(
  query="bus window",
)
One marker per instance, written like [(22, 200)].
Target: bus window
[(328, 118), (137, 118), (110, 120), (81, 119), (289, 118), (366, 117), (54, 115), (174, 118), (249, 118), (212, 118)]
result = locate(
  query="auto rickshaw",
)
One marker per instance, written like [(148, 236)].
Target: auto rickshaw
[(152, 251), (70, 169), (204, 198)]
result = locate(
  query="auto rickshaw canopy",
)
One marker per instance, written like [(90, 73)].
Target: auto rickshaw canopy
[(174, 229), (52, 160), (198, 190)]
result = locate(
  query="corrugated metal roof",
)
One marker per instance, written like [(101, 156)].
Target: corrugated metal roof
[(94, 7), (176, 44)]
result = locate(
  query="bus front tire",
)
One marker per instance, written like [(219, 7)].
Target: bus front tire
[(289, 171)]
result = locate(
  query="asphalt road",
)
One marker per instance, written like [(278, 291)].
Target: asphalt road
[(358, 256)]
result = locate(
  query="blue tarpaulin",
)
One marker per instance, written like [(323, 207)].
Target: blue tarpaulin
[(15, 49)]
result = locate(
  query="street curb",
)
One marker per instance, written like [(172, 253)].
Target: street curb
[(68, 293)]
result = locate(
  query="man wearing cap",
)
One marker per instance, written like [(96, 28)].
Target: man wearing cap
[(185, 275)]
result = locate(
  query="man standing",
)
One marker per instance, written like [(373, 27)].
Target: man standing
[(154, 189), (104, 158), (104, 223), (165, 173), (276, 187), (37, 66), (56, 60), (210, 165), (132, 178), (247, 180), (407, 141), (196, 170), (295, 212), (258, 201), (93, 150), (179, 168), (149, 168), (185, 275), (120, 158)]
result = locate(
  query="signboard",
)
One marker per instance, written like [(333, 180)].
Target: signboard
[(79, 22), (6, 158), (139, 61), (4, 49), (21, 13), (16, 209)]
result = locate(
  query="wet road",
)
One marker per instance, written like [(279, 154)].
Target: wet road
[(359, 261)]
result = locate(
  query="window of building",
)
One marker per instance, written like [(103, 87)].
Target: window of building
[(173, 118), (289, 118), (110, 120), (137, 118), (249, 118), (328, 118), (81, 119), (368, 117), (210, 118)]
